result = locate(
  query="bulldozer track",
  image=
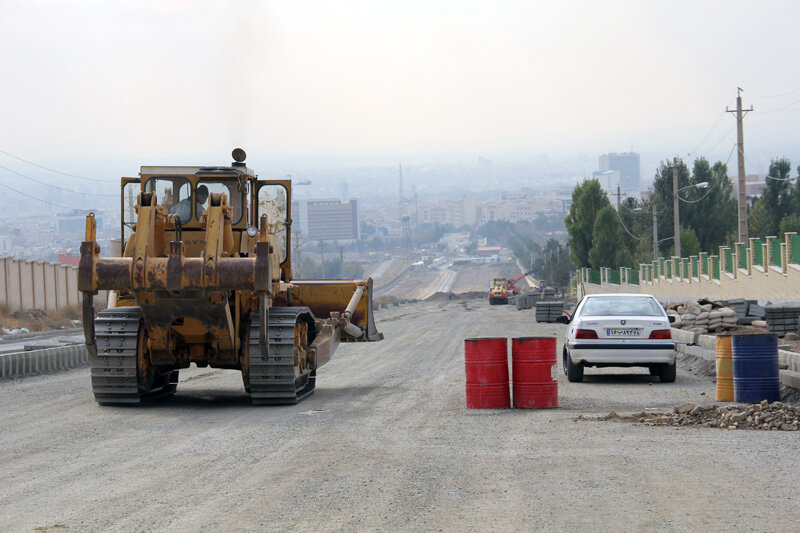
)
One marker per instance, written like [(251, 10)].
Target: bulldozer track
[(114, 369), (273, 381)]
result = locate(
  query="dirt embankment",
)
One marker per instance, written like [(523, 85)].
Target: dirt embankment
[(12, 322)]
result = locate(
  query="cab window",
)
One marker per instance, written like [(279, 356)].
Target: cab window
[(173, 193), (272, 202), (233, 188)]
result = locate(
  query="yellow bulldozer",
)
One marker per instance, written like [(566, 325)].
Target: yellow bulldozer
[(205, 277)]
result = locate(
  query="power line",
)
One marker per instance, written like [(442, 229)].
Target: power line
[(777, 95), (708, 133), (53, 186), (780, 108), (35, 197), (626, 229), (695, 201), (730, 154), (725, 136), (54, 170)]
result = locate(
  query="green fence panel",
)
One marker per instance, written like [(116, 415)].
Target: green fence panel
[(696, 267), (796, 249), (633, 277), (715, 261), (613, 277), (729, 261), (776, 252), (743, 257), (594, 277), (758, 253)]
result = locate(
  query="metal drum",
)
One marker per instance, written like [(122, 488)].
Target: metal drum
[(534, 371), (724, 369), (755, 368), (486, 365)]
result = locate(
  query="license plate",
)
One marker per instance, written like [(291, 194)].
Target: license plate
[(622, 332)]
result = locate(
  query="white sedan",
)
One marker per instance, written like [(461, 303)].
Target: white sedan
[(619, 330)]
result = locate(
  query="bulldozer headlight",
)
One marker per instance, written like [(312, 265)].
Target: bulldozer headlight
[(252, 230)]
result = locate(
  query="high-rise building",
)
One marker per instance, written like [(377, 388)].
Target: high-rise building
[(629, 167), (326, 219)]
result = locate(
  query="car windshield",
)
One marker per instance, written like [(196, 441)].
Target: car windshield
[(621, 306)]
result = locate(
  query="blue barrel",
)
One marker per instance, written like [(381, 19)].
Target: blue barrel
[(755, 368)]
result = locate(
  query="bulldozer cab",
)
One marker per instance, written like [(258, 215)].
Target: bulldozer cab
[(185, 194)]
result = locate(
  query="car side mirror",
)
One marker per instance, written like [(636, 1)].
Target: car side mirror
[(671, 318), (562, 319)]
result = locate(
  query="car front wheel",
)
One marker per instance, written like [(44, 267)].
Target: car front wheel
[(574, 372)]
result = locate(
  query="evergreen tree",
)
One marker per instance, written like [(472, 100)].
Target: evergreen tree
[(606, 250), (588, 198), (777, 194)]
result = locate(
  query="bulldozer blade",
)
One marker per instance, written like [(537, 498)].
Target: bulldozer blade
[(326, 296)]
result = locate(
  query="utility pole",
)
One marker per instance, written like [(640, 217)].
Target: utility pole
[(618, 194), (655, 233), (740, 149), (341, 261), (676, 215)]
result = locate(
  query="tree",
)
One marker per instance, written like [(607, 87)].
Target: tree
[(790, 223), (663, 198), (606, 239), (588, 198), (758, 220), (690, 244), (366, 228), (777, 194), (550, 262), (713, 216)]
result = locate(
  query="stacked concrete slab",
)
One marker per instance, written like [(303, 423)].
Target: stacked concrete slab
[(548, 311), (26, 284)]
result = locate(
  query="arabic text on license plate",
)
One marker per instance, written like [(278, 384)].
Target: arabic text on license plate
[(618, 332)]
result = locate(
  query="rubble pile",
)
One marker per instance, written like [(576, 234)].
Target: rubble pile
[(763, 416), (704, 316)]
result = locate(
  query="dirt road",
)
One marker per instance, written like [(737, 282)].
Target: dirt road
[(386, 444), (423, 283)]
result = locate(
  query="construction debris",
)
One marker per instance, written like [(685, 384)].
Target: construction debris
[(763, 416)]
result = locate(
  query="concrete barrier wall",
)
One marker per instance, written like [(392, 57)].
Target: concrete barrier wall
[(19, 364), (44, 285), (705, 347), (773, 284)]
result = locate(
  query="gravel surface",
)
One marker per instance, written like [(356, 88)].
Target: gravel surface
[(386, 444)]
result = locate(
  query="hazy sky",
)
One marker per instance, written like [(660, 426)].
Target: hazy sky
[(152, 79)]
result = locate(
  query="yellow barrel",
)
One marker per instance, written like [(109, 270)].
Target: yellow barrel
[(724, 369)]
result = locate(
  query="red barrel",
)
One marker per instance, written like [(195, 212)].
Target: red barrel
[(534, 370), (486, 364)]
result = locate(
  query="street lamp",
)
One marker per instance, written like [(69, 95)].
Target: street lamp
[(675, 198), (654, 212)]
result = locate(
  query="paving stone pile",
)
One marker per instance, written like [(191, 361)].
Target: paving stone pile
[(763, 416)]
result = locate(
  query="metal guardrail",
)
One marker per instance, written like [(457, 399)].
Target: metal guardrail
[(26, 363)]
